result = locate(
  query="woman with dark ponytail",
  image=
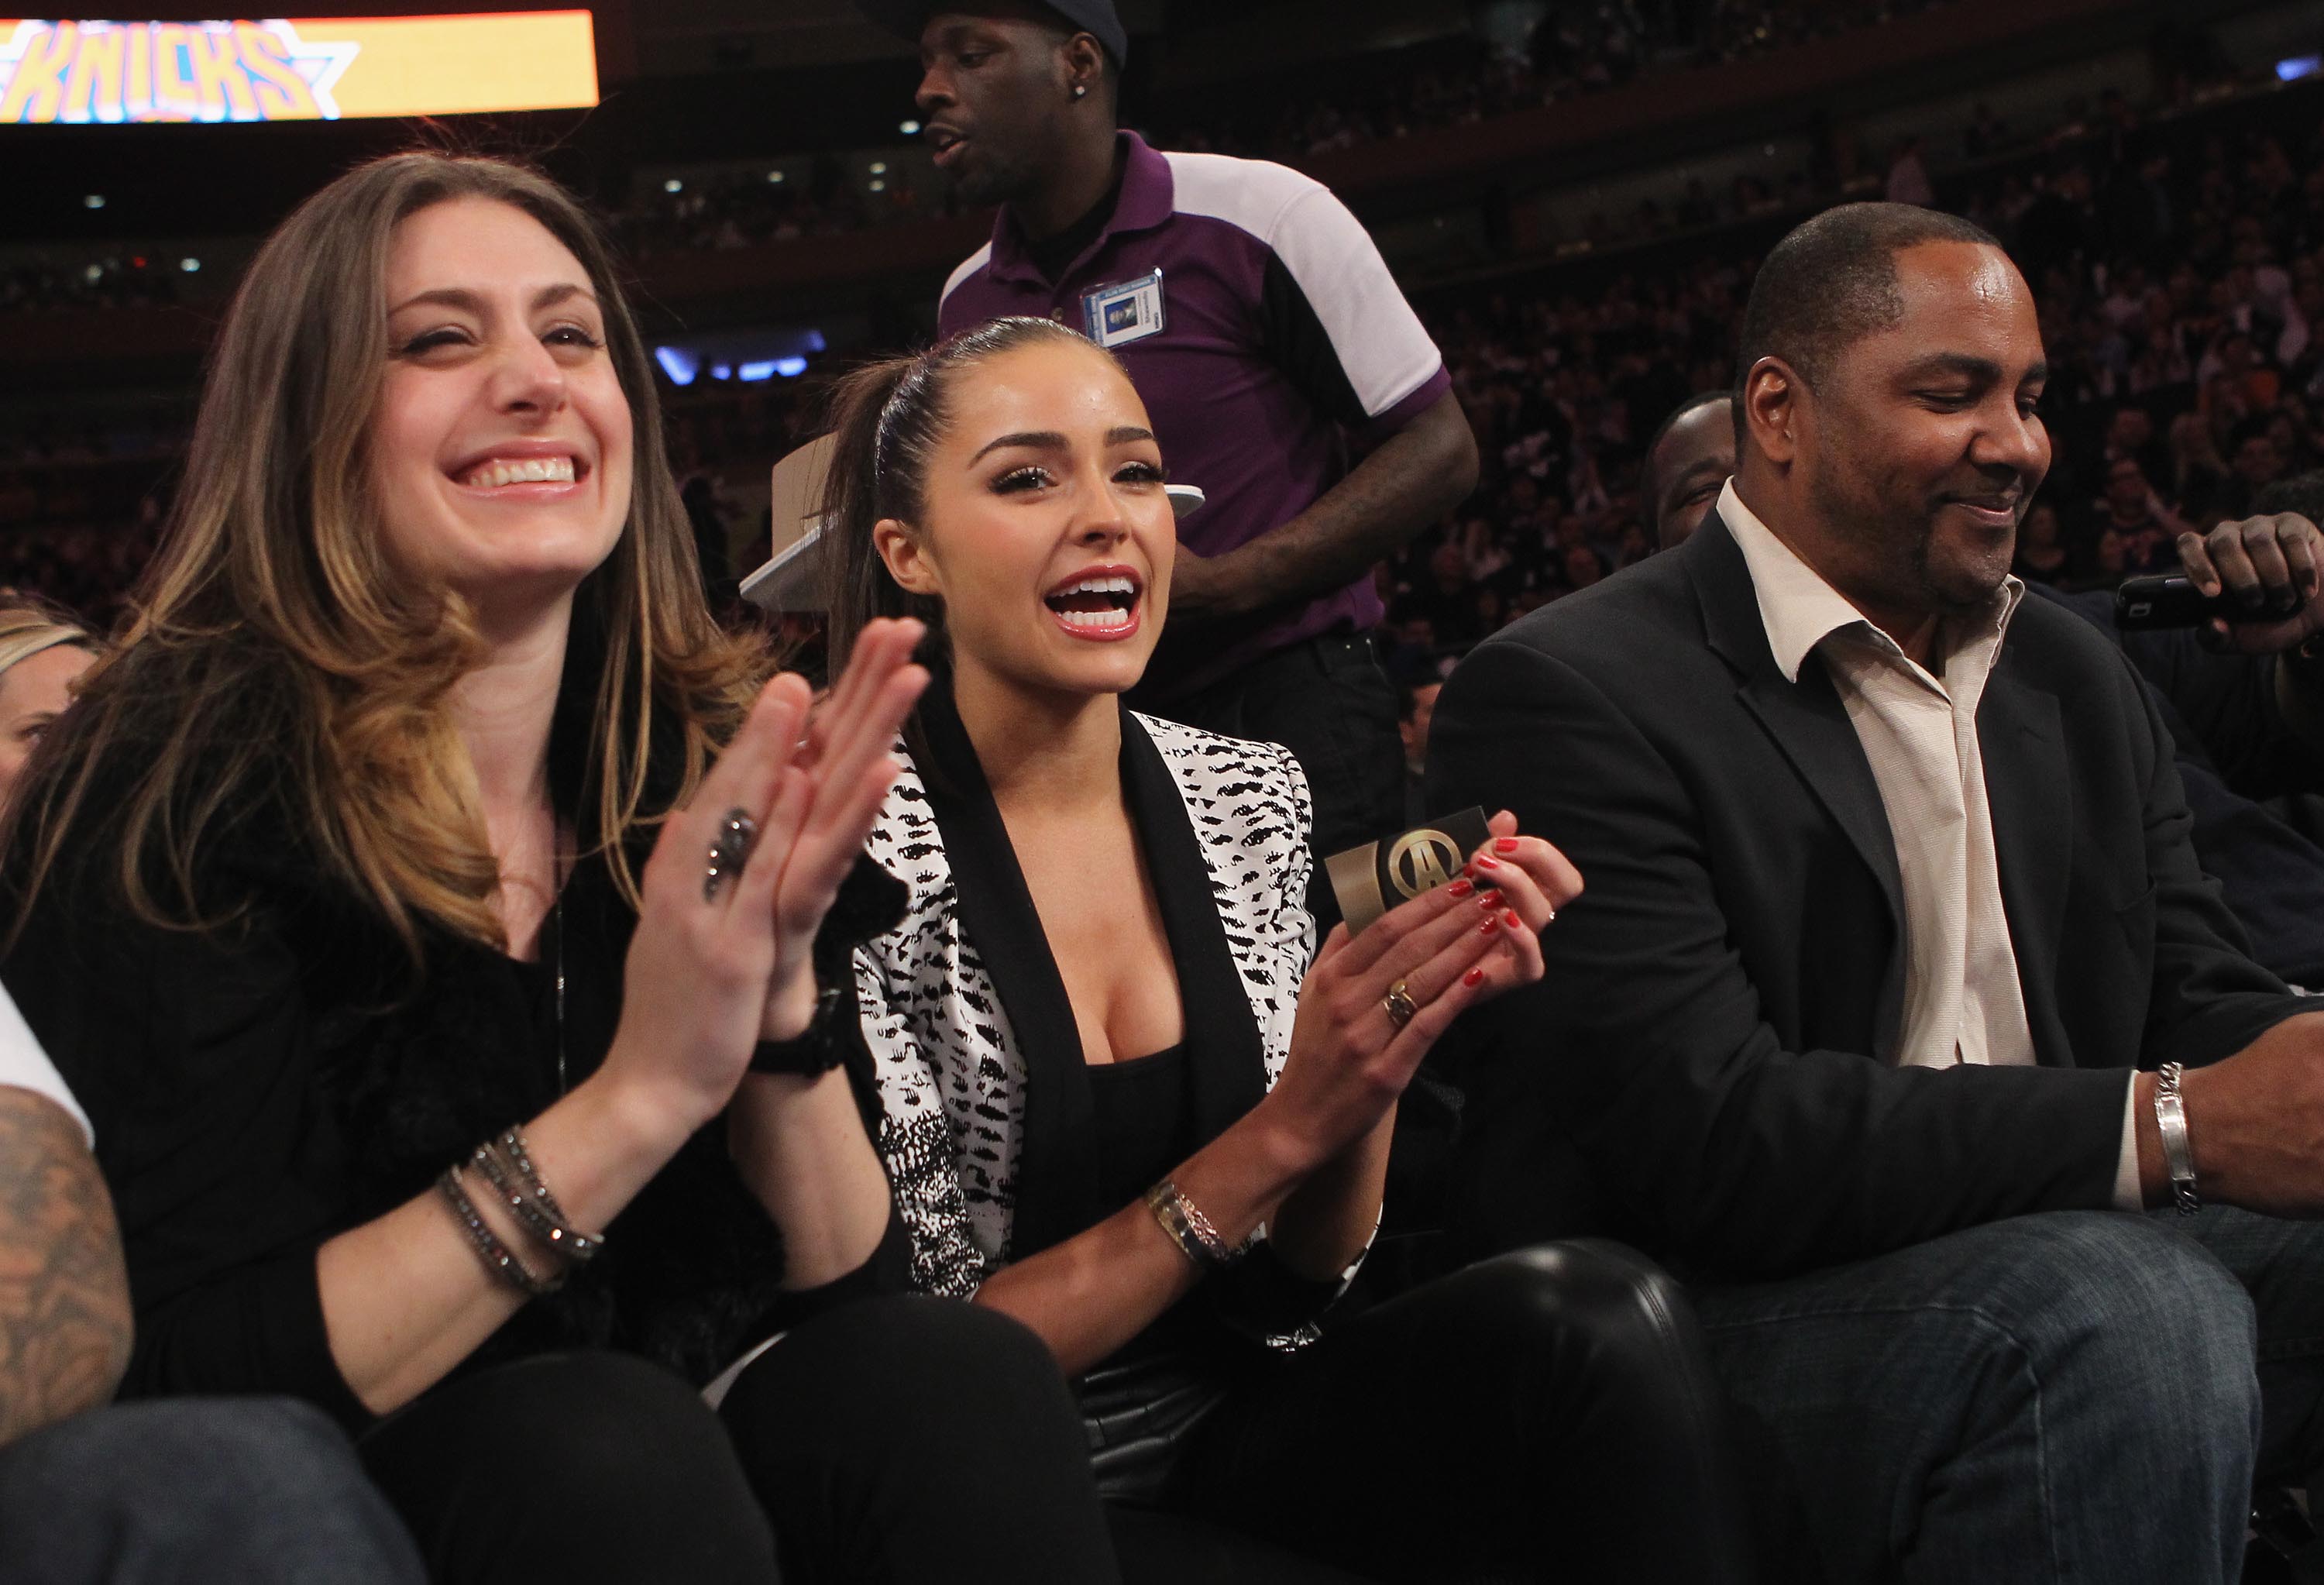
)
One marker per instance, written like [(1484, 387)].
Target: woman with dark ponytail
[(1124, 1100)]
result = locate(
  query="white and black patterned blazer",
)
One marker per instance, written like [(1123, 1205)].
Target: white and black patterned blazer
[(975, 1056)]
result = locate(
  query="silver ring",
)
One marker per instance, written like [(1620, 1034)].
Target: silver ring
[(728, 853), (1399, 1005)]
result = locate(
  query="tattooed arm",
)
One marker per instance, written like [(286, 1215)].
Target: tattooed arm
[(64, 1293)]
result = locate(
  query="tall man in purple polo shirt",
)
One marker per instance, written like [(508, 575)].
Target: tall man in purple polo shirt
[(1284, 374)]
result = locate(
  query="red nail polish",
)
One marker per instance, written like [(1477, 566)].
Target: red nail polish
[(1486, 862), (1505, 844), (1463, 888), (1489, 926), (1509, 917), (1473, 978), (1490, 901)]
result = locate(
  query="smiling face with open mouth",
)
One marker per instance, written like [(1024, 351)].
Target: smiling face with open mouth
[(1047, 535), (1925, 444), (501, 447)]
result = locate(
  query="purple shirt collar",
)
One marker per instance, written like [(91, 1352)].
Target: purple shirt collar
[(1148, 198)]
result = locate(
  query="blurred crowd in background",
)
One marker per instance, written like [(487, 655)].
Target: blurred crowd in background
[(2179, 260)]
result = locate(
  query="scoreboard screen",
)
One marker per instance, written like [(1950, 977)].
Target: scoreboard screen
[(311, 69)]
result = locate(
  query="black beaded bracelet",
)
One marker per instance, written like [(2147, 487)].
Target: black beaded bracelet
[(498, 1260), (554, 1225), (536, 1210)]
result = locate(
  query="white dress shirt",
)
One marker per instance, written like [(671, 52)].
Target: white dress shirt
[(25, 1067), (1963, 1000)]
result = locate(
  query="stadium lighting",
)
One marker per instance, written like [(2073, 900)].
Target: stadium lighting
[(131, 72), (879, 187), (879, 167), (776, 177), (673, 186), (190, 266), (909, 128), (94, 201)]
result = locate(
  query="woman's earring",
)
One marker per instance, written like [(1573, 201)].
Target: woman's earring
[(1079, 90)]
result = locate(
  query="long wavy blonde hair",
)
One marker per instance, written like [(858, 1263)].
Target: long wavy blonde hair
[(276, 658)]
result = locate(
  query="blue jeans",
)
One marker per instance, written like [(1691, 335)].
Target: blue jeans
[(260, 1491), (2080, 1396)]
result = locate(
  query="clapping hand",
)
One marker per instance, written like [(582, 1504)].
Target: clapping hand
[(823, 818), (1373, 1004), (741, 877)]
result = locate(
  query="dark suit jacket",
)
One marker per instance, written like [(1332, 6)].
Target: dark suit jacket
[(1702, 1073)]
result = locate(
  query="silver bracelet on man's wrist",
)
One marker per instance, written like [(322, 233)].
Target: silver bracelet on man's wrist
[(2170, 1122)]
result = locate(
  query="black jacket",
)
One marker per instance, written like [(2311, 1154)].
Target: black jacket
[(1702, 1073), (258, 1089)]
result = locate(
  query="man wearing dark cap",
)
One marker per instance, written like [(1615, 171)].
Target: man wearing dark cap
[(1285, 372)]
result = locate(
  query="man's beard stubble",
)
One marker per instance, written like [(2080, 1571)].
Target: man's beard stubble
[(1900, 536)]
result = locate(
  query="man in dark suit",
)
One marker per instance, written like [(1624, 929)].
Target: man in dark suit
[(1890, 901)]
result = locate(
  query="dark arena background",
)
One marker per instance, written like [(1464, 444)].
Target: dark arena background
[(1694, 961), (1573, 196)]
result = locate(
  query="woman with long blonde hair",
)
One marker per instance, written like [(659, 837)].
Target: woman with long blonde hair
[(437, 915)]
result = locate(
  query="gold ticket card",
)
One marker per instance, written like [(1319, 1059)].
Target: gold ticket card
[(1371, 880)]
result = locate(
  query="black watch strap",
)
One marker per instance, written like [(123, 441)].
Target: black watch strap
[(870, 902), (816, 1049)]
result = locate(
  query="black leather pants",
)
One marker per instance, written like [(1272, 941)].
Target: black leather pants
[(1544, 1415)]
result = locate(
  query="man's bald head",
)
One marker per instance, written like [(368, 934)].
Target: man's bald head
[(1687, 461)]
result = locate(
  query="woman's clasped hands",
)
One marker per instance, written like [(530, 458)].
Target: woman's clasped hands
[(1373, 1004), (741, 879)]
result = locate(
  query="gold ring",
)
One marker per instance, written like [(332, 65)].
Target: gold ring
[(1399, 1005)]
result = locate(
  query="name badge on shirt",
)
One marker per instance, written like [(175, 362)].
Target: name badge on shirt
[(1126, 311)]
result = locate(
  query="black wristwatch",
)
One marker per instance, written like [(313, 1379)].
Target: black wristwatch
[(870, 902), (814, 1050)]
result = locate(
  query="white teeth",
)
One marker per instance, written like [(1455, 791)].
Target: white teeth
[(1113, 586), (531, 470), (1098, 618)]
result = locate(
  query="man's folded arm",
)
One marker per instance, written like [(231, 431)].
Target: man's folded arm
[(1646, 1042)]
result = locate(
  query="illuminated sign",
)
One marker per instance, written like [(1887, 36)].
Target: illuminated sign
[(309, 69)]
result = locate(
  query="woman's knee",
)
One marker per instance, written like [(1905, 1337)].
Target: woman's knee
[(608, 1423), (893, 1429), (882, 1377), (1587, 1300), (603, 1459)]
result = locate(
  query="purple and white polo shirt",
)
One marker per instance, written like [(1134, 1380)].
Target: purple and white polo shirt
[(1268, 340)]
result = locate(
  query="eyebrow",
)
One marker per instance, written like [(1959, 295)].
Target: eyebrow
[(1051, 441), (1972, 367), (454, 297)]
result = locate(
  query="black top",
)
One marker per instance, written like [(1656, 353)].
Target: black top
[(1079, 1164), (256, 1090), (1145, 1125)]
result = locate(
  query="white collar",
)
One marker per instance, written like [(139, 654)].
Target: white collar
[(1798, 607)]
